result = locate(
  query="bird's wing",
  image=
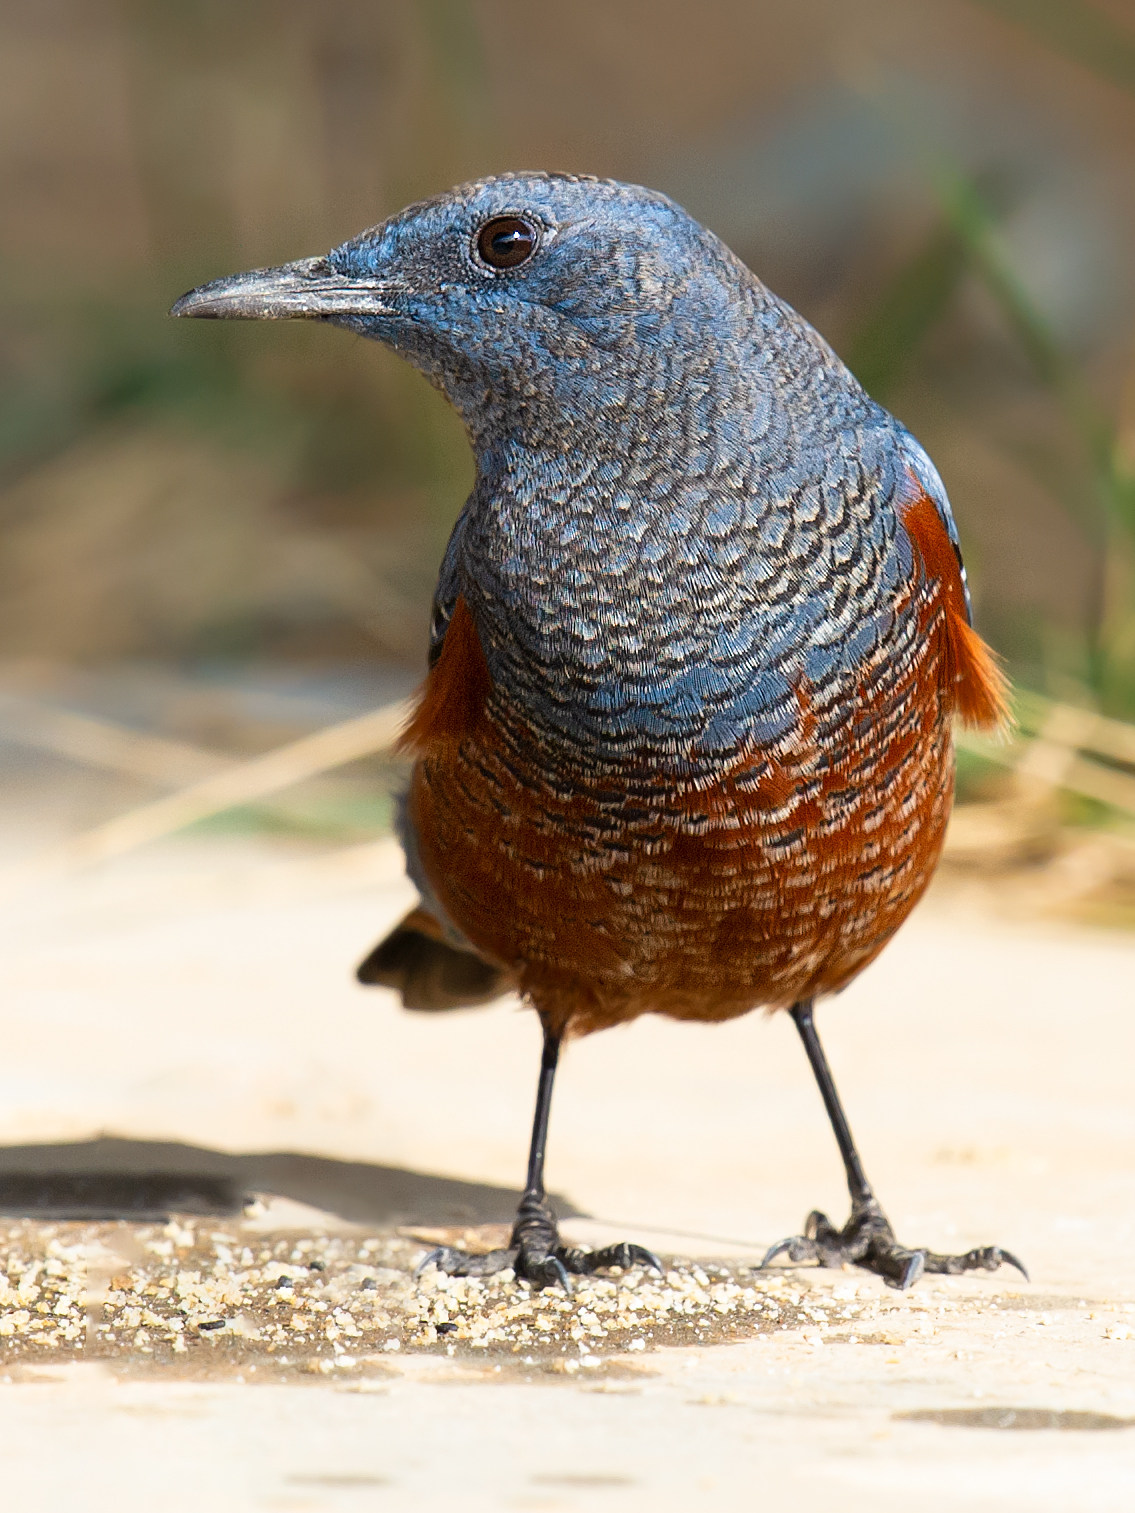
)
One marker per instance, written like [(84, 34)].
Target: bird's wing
[(448, 589), (918, 461), (975, 686), (824, 606)]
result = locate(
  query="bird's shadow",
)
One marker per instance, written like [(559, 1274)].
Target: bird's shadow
[(109, 1178)]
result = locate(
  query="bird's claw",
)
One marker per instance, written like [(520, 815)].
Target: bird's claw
[(897, 1266), (546, 1271), (796, 1247), (624, 1255), (983, 1258), (435, 1257), (461, 1263), (538, 1258), (868, 1241)]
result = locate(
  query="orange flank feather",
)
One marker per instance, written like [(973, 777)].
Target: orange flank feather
[(982, 687), (452, 700), (969, 666)]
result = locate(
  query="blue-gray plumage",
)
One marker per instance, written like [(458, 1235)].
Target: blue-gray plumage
[(697, 639)]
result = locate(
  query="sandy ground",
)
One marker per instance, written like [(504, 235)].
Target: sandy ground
[(196, 1004)]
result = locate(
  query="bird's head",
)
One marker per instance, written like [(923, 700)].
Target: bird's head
[(510, 291)]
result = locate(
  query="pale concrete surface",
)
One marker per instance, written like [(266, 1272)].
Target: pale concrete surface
[(202, 993)]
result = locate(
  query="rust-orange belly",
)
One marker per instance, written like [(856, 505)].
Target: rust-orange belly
[(778, 881), (752, 905)]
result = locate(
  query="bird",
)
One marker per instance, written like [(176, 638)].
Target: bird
[(699, 640)]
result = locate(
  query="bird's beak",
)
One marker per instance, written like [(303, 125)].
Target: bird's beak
[(310, 289)]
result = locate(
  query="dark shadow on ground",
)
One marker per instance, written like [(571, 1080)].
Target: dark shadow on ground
[(141, 1179)]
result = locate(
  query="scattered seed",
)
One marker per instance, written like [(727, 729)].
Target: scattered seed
[(279, 1300)]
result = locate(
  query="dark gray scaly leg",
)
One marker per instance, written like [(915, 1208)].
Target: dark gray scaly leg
[(535, 1251), (867, 1239)]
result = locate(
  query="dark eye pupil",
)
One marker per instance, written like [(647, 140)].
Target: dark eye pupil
[(507, 241)]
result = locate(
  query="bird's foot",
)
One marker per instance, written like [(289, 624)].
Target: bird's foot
[(537, 1255), (867, 1240)]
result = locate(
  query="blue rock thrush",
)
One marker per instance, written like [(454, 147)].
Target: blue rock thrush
[(698, 641)]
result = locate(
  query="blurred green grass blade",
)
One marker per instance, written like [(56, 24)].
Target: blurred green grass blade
[(970, 216), (915, 300), (1078, 31), (1112, 665), (921, 291)]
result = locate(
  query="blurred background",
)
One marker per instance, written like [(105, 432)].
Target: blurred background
[(218, 543), (226, 535)]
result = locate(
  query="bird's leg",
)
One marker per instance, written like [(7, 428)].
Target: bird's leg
[(534, 1234), (867, 1238), (535, 1250)]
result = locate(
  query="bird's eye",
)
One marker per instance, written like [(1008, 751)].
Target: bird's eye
[(507, 241)]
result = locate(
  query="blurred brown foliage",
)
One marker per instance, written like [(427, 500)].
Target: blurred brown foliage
[(944, 186)]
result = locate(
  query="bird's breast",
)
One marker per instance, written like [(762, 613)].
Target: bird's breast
[(656, 635), (780, 869)]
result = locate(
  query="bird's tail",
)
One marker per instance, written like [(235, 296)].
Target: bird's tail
[(419, 963), (981, 689), (975, 687)]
